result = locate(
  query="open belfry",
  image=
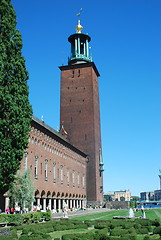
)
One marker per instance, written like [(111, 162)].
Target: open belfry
[(66, 165), (80, 109)]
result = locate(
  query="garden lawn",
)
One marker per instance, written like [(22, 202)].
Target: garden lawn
[(59, 234), (150, 214)]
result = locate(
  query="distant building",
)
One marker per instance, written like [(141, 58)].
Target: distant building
[(122, 195), (157, 195), (147, 196)]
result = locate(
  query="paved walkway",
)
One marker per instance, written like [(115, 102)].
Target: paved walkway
[(79, 213)]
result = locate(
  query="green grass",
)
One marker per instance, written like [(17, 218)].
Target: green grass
[(59, 234), (150, 214)]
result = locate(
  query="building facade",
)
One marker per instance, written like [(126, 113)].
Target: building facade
[(58, 168), (67, 166), (122, 195), (80, 111)]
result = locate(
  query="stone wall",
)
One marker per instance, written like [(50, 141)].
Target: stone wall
[(117, 205)]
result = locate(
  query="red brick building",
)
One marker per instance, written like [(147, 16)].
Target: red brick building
[(58, 168), (67, 165), (80, 111)]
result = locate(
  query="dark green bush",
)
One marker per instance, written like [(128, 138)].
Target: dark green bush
[(144, 222), (102, 237), (100, 225), (14, 219), (156, 223), (147, 237), (128, 237), (142, 231), (157, 230)]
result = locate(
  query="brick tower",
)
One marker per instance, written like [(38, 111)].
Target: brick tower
[(80, 111)]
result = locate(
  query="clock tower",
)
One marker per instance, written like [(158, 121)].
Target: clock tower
[(80, 110)]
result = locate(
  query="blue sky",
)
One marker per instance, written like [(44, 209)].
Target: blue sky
[(126, 48)]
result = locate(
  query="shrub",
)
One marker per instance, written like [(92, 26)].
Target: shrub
[(12, 219), (157, 230), (142, 231), (156, 223), (100, 225), (147, 237)]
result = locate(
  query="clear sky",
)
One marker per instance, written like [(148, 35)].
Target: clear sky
[(126, 48)]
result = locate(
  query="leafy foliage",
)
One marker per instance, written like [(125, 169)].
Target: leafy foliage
[(15, 110), (22, 190)]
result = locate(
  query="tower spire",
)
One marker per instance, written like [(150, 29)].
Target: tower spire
[(79, 45)]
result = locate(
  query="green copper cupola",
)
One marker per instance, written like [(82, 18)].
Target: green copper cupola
[(79, 46)]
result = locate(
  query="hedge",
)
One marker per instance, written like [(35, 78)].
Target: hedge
[(31, 217)]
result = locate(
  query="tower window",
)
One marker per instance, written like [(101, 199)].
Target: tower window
[(79, 73), (46, 170), (72, 74), (73, 178), (36, 167), (68, 180), (54, 172), (41, 168), (61, 174)]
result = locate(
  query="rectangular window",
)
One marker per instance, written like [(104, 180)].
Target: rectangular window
[(36, 167), (68, 180), (61, 174), (78, 179), (54, 172), (73, 178), (46, 170), (83, 183)]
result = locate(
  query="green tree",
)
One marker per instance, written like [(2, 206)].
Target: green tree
[(15, 109), (22, 190)]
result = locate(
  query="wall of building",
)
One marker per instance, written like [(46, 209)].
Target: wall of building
[(58, 169), (80, 116)]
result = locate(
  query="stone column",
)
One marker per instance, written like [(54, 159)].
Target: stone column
[(55, 204), (67, 203), (71, 205), (49, 205), (38, 201), (59, 205), (80, 203), (63, 203), (76, 201), (44, 204)]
